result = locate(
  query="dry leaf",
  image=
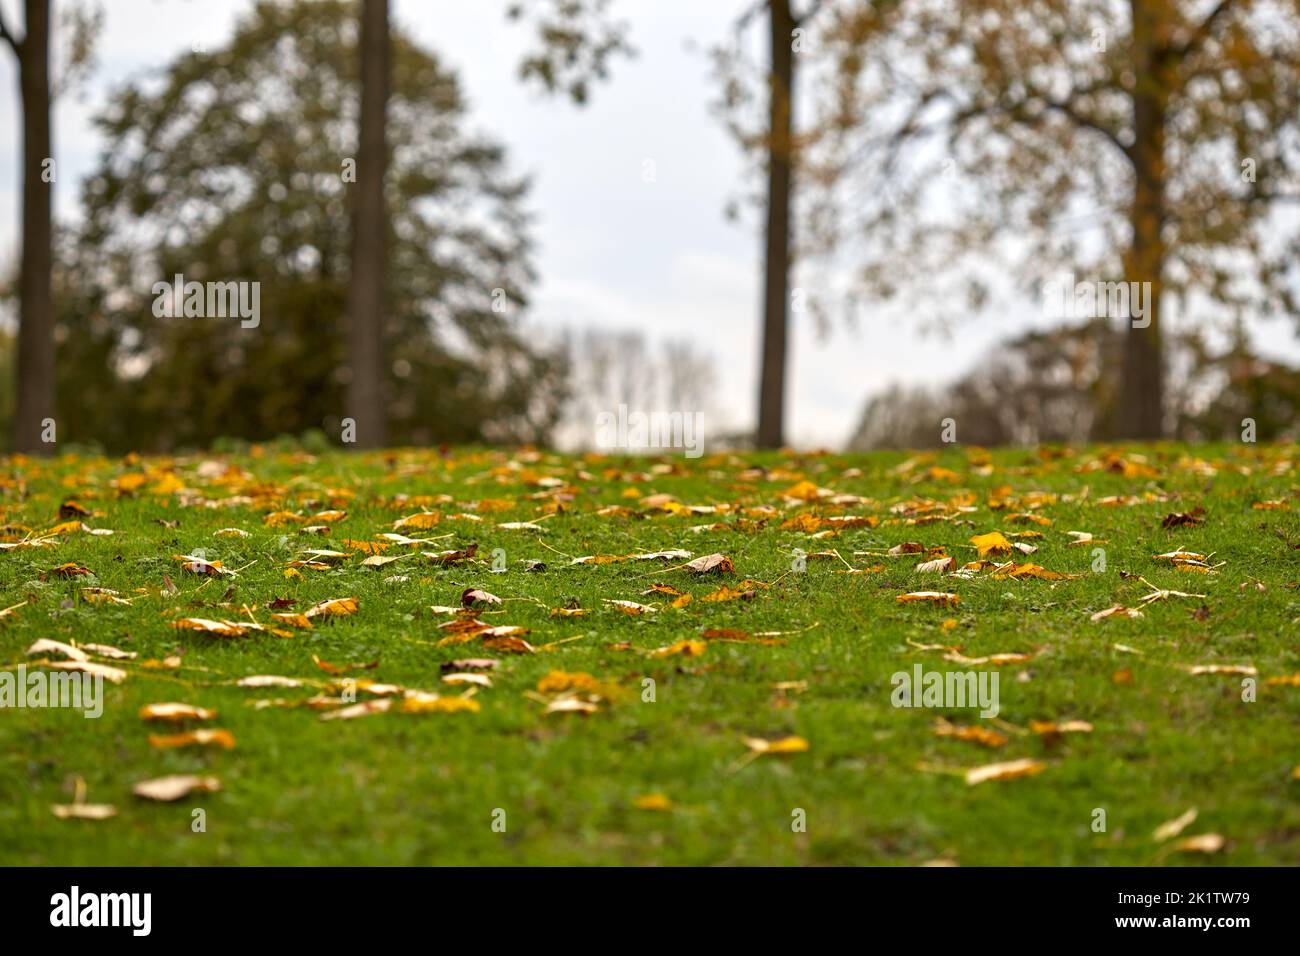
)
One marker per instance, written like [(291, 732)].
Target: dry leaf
[(937, 566), (334, 607), (630, 607), (653, 801), (112, 674), (482, 680), (201, 737), (167, 789), (477, 597), (1202, 843), (1171, 828), (980, 735), (1115, 610), (362, 709), (686, 648), (268, 680), (433, 704), (992, 543), (1048, 727), (46, 646), (83, 811), (1011, 770), (217, 628), (711, 564), (783, 745), (175, 713)]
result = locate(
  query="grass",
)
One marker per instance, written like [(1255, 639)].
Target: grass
[(876, 785)]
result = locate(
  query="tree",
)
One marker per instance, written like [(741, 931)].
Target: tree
[(777, 141), (575, 42), (776, 259), (1168, 124), (233, 166), (35, 375), (366, 398)]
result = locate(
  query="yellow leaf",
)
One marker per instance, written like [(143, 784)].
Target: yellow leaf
[(205, 626), (785, 745), (992, 543), (202, 737), (653, 801), (433, 704), (979, 735), (421, 520), (1048, 727), (803, 491), (686, 648), (334, 607)]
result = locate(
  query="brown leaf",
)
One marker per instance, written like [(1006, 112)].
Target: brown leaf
[(711, 564), (201, 737), (477, 597), (1179, 519)]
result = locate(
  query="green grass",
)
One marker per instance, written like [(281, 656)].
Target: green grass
[(397, 788)]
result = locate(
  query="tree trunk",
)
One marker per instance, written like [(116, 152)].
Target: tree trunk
[(35, 315), (776, 266), (1141, 412), (369, 230)]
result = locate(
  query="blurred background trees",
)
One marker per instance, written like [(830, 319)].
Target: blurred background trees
[(914, 151), (951, 132), (232, 165)]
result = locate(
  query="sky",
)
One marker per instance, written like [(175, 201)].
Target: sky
[(614, 250)]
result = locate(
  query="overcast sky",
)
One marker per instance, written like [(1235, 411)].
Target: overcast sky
[(613, 250)]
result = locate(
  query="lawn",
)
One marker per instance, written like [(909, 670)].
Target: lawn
[(605, 734)]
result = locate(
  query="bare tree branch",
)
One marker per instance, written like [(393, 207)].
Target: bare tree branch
[(9, 37), (808, 14), (1206, 28)]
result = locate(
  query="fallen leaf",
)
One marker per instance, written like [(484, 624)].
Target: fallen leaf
[(362, 709), (1171, 828), (653, 801), (201, 737), (334, 607), (1010, 770), (992, 543), (168, 789), (783, 745), (477, 597), (175, 713), (1202, 843)]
